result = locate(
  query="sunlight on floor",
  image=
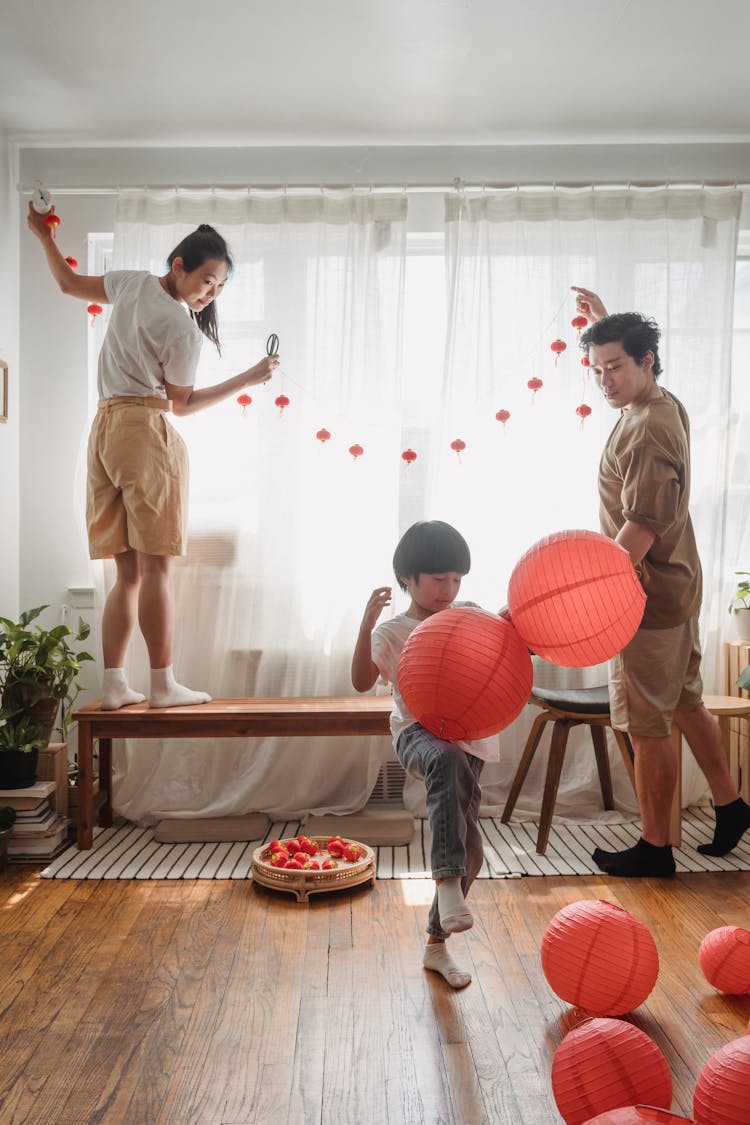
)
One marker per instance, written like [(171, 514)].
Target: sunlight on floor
[(417, 892)]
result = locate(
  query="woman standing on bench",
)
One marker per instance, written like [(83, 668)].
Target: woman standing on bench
[(429, 563), (136, 504)]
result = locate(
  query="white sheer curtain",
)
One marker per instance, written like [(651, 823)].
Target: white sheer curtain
[(287, 533), (512, 257)]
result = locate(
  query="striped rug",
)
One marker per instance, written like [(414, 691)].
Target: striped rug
[(128, 852)]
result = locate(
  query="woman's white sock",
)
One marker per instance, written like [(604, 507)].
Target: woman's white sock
[(115, 690), (166, 692)]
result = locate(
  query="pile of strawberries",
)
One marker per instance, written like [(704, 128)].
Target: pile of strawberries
[(298, 854)]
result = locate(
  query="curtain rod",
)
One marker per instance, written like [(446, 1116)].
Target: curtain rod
[(455, 185)]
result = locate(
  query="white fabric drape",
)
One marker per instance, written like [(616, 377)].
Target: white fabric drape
[(288, 534), (512, 257)]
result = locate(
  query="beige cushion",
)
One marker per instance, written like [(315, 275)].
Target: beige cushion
[(219, 829), (370, 826)]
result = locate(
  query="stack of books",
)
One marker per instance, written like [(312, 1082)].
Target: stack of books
[(38, 832)]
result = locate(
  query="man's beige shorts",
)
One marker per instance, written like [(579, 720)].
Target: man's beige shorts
[(137, 480), (658, 673)]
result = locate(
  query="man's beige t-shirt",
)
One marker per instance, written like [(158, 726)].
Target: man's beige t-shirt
[(644, 477)]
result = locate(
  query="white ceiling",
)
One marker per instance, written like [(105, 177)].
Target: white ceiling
[(349, 72)]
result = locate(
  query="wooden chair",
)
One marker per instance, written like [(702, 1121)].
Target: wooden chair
[(566, 709)]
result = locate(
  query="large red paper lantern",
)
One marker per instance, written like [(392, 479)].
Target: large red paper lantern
[(575, 598), (724, 957), (638, 1115), (605, 1064), (465, 674), (722, 1092), (599, 957)]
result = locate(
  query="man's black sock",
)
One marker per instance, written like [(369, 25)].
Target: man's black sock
[(643, 860), (732, 821)]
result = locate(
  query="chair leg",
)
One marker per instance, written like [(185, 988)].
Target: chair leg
[(560, 732), (626, 750), (523, 766), (599, 739)]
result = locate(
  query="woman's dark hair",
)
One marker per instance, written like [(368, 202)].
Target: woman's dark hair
[(637, 333), (430, 547), (195, 249)]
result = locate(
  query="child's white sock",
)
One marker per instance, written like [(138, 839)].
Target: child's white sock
[(455, 915), (438, 959), (166, 692), (115, 690)]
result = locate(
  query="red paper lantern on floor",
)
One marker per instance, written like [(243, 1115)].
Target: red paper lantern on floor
[(638, 1115), (724, 957), (575, 598), (244, 401), (465, 674), (599, 957), (722, 1092), (94, 310), (605, 1064), (409, 456)]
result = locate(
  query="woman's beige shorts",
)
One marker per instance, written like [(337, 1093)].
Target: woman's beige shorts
[(658, 673), (137, 480)]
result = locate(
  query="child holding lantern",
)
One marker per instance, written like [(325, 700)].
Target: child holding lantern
[(429, 563), (136, 505)]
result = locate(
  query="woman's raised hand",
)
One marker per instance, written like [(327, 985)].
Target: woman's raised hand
[(263, 370)]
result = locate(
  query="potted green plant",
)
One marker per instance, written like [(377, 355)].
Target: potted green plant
[(39, 670), (739, 606), (20, 743)]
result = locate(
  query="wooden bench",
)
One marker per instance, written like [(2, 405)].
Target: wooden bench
[(308, 717)]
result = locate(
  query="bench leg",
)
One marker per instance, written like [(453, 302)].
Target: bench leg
[(105, 781), (85, 787)]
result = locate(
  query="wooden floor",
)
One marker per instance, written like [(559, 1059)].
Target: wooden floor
[(217, 1003)]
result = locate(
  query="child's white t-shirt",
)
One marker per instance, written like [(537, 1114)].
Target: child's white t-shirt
[(150, 338), (388, 640)]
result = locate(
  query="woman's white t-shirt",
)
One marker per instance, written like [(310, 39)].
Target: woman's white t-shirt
[(150, 338), (388, 641)]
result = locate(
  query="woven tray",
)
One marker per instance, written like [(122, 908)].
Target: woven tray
[(304, 883)]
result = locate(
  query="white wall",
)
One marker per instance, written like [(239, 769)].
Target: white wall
[(9, 351), (51, 550)]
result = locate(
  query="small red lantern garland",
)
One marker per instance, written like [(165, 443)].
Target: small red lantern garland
[(356, 451), (558, 347), (94, 311), (323, 436), (282, 402), (458, 446), (244, 401), (585, 361), (503, 416), (583, 412), (534, 385), (53, 222), (409, 456), (579, 323)]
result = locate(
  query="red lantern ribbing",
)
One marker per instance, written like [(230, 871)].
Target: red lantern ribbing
[(575, 598), (599, 957), (722, 1092), (724, 957), (638, 1115), (604, 1064), (465, 674)]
